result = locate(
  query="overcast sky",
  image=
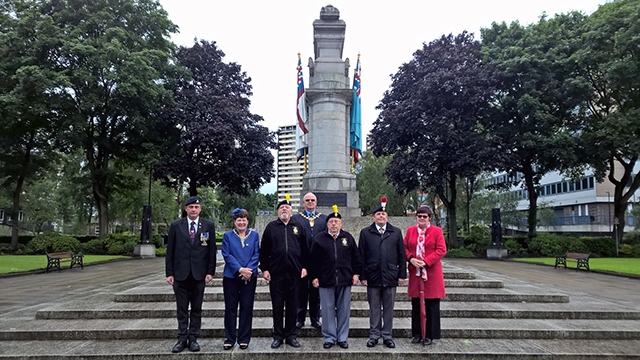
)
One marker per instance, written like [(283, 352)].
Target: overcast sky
[(264, 37)]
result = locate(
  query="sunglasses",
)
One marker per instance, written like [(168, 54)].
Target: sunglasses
[(309, 200), (422, 216)]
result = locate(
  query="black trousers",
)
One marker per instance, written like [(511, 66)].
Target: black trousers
[(284, 289), (189, 292), (311, 295), (432, 307), (238, 292)]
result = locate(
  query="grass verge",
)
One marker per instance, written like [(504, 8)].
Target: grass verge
[(628, 266), (19, 263)]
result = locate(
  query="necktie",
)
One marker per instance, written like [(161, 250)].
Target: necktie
[(192, 231), (381, 231)]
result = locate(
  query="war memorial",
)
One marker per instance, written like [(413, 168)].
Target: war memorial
[(493, 309)]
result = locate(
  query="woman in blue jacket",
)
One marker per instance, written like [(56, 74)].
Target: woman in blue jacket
[(241, 252)]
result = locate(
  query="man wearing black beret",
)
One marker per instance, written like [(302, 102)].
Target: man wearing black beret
[(384, 267), (284, 255), (190, 263)]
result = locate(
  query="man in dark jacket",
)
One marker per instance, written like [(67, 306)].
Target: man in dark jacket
[(385, 266), (335, 266), (314, 223), (190, 263), (284, 255)]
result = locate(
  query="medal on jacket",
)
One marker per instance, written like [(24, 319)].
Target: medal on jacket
[(204, 237), (310, 219)]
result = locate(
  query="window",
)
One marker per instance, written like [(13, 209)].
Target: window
[(20, 215), (1, 215), (564, 186), (591, 182), (585, 183)]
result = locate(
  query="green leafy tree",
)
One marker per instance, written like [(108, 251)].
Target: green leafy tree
[(429, 120), (537, 109), (372, 184), (32, 102), (609, 64)]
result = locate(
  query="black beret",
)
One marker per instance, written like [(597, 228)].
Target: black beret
[(193, 200), (378, 209), (283, 202), (334, 215)]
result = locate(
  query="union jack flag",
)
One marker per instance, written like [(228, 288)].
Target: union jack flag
[(302, 146)]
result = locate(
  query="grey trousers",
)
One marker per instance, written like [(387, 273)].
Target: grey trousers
[(335, 303), (381, 301)]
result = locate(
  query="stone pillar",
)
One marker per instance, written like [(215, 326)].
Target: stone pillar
[(329, 95)]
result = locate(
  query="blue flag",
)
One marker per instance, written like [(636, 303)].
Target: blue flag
[(355, 124)]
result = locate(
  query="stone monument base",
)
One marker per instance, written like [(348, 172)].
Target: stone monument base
[(144, 251), (333, 188), (497, 253)]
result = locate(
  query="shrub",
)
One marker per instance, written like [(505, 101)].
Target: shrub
[(459, 253), (478, 239), (635, 251), (95, 247), (115, 249), (513, 247), (52, 242), (601, 246), (161, 251), (631, 238), (625, 249)]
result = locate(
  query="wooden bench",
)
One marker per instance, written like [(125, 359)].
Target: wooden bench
[(582, 260), (54, 259)]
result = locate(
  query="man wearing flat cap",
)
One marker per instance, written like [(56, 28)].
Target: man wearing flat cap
[(190, 264), (335, 265), (385, 266), (284, 255)]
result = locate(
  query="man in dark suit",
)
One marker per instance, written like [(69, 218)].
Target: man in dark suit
[(190, 263), (314, 223), (385, 266)]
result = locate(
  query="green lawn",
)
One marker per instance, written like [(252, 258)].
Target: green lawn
[(630, 266), (18, 263)]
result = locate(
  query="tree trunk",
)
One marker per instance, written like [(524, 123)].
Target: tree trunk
[(532, 216), (15, 212), (102, 205), (451, 209)]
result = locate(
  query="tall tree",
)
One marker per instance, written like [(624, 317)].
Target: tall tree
[(372, 184), (429, 120), (220, 142), (112, 58), (609, 63), (537, 108), (31, 100)]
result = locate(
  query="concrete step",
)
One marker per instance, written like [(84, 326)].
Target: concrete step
[(465, 328), (358, 293), (449, 283), (259, 348), (402, 309)]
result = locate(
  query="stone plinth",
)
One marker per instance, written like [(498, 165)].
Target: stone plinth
[(145, 251)]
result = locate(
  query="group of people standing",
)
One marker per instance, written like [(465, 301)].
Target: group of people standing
[(310, 263)]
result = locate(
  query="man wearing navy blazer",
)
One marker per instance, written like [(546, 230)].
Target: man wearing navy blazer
[(190, 263)]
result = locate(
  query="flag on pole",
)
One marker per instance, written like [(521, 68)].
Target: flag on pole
[(355, 124), (302, 146)]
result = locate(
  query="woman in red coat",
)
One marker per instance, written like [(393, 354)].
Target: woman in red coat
[(425, 247)]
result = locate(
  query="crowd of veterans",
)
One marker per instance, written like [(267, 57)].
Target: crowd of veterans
[(310, 264)]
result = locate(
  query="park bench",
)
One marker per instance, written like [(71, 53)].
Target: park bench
[(54, 259), (582, 260)]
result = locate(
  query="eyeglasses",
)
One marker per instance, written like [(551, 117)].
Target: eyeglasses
[(422, 216), (309, 200)]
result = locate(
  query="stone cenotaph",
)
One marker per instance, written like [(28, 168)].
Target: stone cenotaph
[(329, 97)]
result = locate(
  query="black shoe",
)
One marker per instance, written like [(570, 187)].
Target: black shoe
[(299, 325), (426, 342), (276, 343), (227, 346), (416, 339), (390, 344), (194, 346), (327, 345), (293, 342), (244, 345), (343, 344), (316, 324), (372, 342), (179, 346)]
